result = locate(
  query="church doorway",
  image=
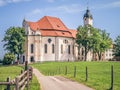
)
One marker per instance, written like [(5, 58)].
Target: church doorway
[(31, 59), (23, 59)]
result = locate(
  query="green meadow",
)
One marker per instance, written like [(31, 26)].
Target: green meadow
[(12, 72), (99, 73)]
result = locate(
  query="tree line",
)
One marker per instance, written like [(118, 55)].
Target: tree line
[(96, 40)]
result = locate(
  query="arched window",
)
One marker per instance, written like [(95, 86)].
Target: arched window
[(53, 48), (68, 49), (73, 49), (45, 48), (61, 49), (32, 48)]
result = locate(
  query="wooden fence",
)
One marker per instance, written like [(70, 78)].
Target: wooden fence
[(65, 71), (20, 81)]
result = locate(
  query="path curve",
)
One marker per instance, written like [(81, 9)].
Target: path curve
[(58, 83)]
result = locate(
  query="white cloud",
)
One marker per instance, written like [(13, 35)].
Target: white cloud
[(4, 2), (34, 12), (73, 8), (115, 4), (51, 1)]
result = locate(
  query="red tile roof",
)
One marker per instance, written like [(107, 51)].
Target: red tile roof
[(52, 26)]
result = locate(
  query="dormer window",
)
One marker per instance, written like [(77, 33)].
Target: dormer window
[(63, 33), (58, 26)]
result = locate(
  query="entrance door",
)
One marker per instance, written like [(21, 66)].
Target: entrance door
[(32, 59), (23, 59)]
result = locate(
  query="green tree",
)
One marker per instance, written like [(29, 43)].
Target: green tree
[(103, 43), (116, 49), (14, 40), (8, 58), (86, 37)]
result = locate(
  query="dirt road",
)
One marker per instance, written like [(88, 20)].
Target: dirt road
[(58, 83)]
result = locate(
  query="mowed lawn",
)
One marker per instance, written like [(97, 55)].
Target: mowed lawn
[(99, 73), (12, 72)]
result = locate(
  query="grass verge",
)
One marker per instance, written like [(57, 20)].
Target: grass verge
[(99, 73), (12, 72)]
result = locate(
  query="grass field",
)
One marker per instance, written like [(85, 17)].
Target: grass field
[(99, 73), (12, 72)]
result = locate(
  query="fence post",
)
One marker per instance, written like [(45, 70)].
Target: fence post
[(8, 86), (27, 79), (86, 73), (65, 70), (112, 77), (17, 83), (26, 65), (21, 71), (74, 71)]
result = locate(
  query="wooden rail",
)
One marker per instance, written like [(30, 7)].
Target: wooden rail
[(20, 81)]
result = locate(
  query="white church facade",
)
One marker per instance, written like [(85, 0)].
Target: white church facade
[(49, 39)]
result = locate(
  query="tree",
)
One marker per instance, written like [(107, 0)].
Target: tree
[(86, 37), (103, 43), (8, 58), (14, 38), (116, 49)]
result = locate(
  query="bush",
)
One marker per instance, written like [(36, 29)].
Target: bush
[(1, 61), (8, 58)]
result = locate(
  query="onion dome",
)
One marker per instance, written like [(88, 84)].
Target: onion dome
[(88, 14)]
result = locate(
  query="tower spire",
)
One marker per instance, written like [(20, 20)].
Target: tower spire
[(87, 16), (88, 4)]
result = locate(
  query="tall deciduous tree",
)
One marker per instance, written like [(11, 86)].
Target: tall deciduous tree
[(14, 40), (117, 46), (103, 43), (86, 37)]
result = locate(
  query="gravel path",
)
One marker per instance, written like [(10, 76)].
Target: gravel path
[(58, 83)]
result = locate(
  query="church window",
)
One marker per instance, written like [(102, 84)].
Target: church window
[(53, 48), (32, 48), (49, 40), (65, 41), (32, 33), (68, 49), (73, 49), (61, 49), (45, 47)]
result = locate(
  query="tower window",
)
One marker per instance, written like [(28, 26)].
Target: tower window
[(32, 48), (45, 48), (53, 48)]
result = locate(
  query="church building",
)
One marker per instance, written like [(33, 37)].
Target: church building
[(49, 39)]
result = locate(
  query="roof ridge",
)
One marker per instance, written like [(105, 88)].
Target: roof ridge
[(62, 23), (49, 21)]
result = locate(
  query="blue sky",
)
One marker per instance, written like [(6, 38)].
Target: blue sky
[(106, 13)]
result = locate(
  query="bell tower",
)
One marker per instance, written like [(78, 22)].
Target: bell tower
[(88, 19)]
